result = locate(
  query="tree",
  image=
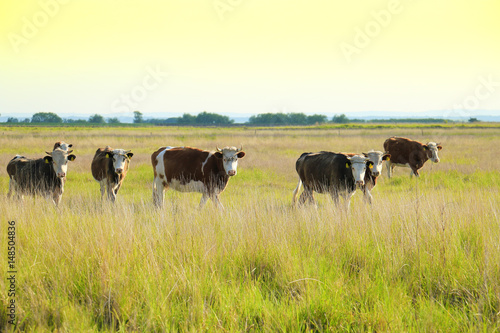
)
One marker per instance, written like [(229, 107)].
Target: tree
[(297, 119), (206, 118), (114, 120), (12, 120), (340, 119), (46, 117), (473, 120), (96, 119), (186, 119), (317, 119), (138, 117)]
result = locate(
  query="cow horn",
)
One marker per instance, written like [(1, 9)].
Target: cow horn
[(241, 148), (218, 149), (70, 151), (50, 154)]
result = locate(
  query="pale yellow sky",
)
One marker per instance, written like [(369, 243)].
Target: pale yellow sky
[(250, 56)]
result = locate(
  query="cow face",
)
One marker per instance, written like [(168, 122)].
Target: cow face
[(121, 159), (431, 149), (376, 158), (59, 159), (229, 156), (358, 167)]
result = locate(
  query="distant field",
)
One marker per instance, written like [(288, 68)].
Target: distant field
[(424, 257)]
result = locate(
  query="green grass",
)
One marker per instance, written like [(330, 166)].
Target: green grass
[(423, 257)]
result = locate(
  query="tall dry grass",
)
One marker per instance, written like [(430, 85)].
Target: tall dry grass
[(424, 257)]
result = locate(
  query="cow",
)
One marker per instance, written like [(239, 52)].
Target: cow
[(375, 159), (188, 169), (109, 167), (408, 153), (44, 176), (327, 172)]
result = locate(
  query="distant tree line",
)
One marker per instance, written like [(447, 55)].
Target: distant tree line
[(205, 118)]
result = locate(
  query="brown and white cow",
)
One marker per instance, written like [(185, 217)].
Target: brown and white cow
[(109, 168), (187, 169), (44, 176), (332, 173), (375, 159), (408, 153)]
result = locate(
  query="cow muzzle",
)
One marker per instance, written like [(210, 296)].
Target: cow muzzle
[(436, 160), (61, 174), (376, 174), (119, 171), (231, 173), (360, 183)]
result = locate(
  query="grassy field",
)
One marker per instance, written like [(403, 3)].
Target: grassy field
[(425, 257)]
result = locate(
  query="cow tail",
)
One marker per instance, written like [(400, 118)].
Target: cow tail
[(295, 192)]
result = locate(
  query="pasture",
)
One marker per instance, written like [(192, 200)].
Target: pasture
[(424, 257)]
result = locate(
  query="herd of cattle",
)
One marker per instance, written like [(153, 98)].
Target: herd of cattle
[(187, 169)]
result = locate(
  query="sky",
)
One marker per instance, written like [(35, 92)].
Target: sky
[(240, 57)]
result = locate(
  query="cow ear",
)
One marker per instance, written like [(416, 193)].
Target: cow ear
[(386, 157), (47, 159), (241, 154), (425, 147), (218, 154), (108, 155), (71, 157), (440, 147), (129, 155), (370, 165), (347, 166)]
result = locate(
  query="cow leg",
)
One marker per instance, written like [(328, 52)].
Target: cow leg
[(111, 191), (56, 196), (347, 200), (117, 188), (367, 195), (203, 201), (158, 192), (12, 185), (215, 199), (295, 192), (307, 195), (390, 169), (102, 184)]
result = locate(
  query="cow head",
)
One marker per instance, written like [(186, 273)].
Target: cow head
[(62, 145), (376, 158), (431, 150), (59, 159), (121, 159), (357, 163), (229, 156)]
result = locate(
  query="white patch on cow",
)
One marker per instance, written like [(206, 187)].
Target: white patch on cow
[(203, 164), (358, 166), (192, 186), (160, 165)]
